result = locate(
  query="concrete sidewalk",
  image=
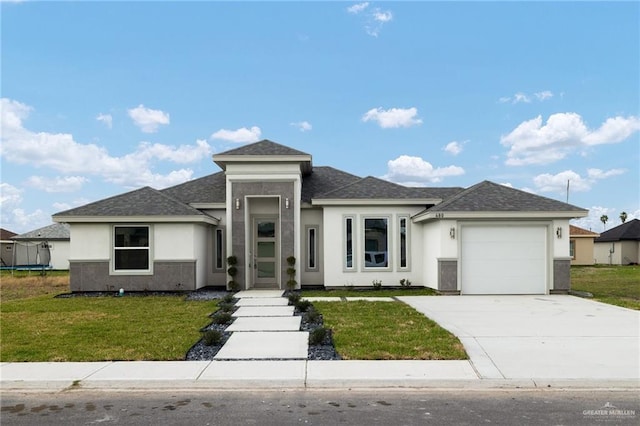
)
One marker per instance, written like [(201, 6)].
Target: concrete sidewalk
[(296, 374)]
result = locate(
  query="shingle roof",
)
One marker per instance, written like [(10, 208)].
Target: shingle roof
[(488, 196), (371, 188), (440, 193), (6, 235), (263, 147), (207, 189), (56, 231), (627, 231), (324, 179), (141, 202), (580, 232)]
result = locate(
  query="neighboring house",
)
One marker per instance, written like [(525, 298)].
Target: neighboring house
[(581, 246), (52, 243), (619, 245), (6, 248), (269, 202)]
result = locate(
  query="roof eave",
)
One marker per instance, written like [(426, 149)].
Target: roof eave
[(305, 160), (138, 219), (434, 215)]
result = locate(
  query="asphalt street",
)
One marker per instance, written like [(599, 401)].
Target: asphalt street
[(327, 407)]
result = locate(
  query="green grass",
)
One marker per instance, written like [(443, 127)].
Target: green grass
[(348, 292), (97, 329), (386, 331), (616, 285)]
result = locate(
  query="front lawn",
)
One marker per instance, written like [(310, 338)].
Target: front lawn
[(36, 326), (386, 331), (616, 285)]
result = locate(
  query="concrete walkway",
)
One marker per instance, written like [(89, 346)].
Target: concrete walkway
[(264, 329)]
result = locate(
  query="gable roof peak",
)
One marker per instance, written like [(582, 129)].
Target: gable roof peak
[(265, 147)]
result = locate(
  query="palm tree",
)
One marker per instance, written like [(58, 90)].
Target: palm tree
[(623, 217), (604, 218)]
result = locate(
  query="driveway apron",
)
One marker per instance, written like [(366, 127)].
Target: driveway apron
[(540, 337)]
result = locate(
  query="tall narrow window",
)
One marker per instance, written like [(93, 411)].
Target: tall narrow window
[(403, 242), (131, 248), (219, 249), (376, 243), (312, 248), (348, 225)]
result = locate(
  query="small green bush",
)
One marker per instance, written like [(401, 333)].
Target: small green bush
[(222, 318), (294, 298), (377, 284), (312, 315), (211, 337), (226, 307), (228, 298), (405, 283), (316, 337), (303, 305)]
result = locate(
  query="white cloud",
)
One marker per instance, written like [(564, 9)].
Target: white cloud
[(534, 143), (182, 154), (60, 152), (15, 218), (414, 169), (242, 135), (544, 95), (373, 19), (592, 221), (357, 8), (57, 184), (521, 97), (453, 148), (107, 119), (380, 16), (147, 119), (394, 117), (558, 183), (303, 126)]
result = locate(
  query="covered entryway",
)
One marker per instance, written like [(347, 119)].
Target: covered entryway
[(502, 259)]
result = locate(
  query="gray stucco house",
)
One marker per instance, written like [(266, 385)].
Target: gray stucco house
[(269, 202)]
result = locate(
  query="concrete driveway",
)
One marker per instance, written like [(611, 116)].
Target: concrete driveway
[(540, 337)]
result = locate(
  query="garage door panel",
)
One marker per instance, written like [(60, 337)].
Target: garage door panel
[(504, 260)]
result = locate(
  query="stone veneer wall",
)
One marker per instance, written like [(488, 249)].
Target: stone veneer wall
[(167, 276), (448, 276), (247, 189), (561, 276)]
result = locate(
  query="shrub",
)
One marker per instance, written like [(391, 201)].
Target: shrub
[(405, 283), (228, 298), (294, 298), (316, 337), (222, 318), (291, 271), (303, 305), (226, 307), (377, 284), (211, 337), (312, 315)]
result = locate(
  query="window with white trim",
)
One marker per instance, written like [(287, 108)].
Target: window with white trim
[(348, 240), (403, 242), (131, 248), (219, 242), (312, 248), (376, 242)]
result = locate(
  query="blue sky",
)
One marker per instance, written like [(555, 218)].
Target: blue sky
[(99, 98)]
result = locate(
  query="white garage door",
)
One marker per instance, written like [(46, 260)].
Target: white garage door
[(503, 260)]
